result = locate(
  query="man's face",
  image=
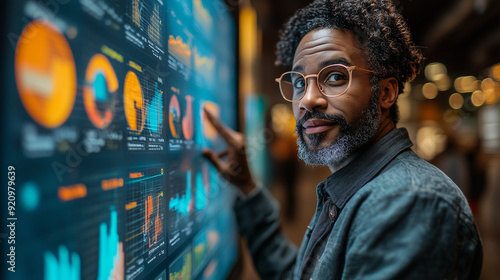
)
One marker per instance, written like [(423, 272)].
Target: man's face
[(332, 128)]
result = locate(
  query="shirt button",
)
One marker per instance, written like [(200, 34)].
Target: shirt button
[(332, 213)]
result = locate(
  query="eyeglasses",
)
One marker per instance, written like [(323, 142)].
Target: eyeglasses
[(333, 80)]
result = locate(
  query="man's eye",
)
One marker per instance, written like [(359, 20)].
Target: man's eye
[(335, 78), (299, 83)]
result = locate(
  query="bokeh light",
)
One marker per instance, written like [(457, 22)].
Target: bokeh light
[(282, 119), (478, 98), (443, 82), (431, 140), (430, 90), (466, 84), (496, 72), (404, 104), (490, 88), (456, 101), (435, 71)]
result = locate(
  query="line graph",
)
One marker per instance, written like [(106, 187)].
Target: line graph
[(145, 231)]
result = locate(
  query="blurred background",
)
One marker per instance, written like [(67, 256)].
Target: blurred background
[(451, 109)]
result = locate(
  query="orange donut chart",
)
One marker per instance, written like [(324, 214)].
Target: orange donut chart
[(45, 74), (174, 116), (133, 102), (101, 84)]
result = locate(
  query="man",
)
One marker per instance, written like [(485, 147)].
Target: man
[(383, 213)]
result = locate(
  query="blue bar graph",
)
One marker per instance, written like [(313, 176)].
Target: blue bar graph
[(201, 196), (182, 204), (108, 247), (155, 112), (66, 268)]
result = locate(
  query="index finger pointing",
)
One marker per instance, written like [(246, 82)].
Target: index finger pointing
[(227, 133)]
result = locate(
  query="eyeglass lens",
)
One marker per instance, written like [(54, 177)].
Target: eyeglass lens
[(332, 81)]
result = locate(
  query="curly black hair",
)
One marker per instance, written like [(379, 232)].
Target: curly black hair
[(379, 29)]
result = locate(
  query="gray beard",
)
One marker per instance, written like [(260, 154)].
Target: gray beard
[(352, 137)]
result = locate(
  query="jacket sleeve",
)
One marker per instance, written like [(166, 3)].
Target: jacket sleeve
[(258, 221), (413, 235)]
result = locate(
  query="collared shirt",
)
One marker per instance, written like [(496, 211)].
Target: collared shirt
[(394, 216)]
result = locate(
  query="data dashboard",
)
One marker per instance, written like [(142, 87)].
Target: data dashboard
[(103, 126)]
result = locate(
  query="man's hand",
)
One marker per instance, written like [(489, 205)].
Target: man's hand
[(235, 168)]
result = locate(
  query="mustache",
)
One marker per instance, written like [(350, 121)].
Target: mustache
[(319, 115)]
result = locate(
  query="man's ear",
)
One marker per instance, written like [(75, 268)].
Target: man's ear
[(389, 89)]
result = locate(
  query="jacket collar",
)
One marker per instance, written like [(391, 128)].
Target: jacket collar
[(344, 183)]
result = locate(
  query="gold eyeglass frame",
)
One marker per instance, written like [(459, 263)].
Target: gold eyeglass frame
[(306, 77)]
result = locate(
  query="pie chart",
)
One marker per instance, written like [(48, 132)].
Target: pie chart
[(45, 74), (99, 92)]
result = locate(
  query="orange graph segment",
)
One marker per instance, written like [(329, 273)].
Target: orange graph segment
[(187, 120), (155, 227), (101, 84), (204, 65), (131, 205), (134, 175), (149, 212), (68, 193), (202, 14), (110, 184), (45, 74), (133, 102), (180, 49)]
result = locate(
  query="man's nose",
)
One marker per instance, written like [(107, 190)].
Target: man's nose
[(313, 99)]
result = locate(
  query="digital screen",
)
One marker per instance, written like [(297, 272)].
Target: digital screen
[(102, 133)]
